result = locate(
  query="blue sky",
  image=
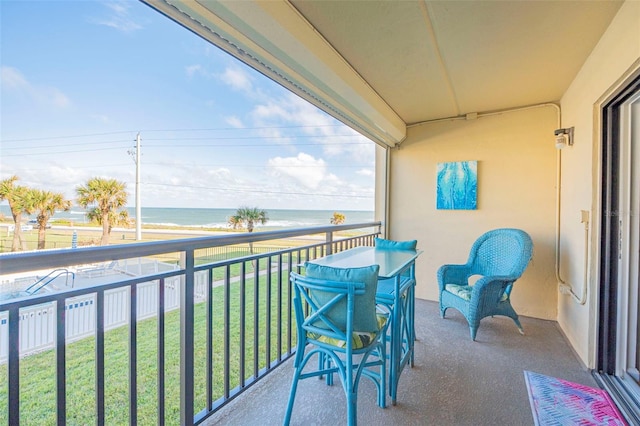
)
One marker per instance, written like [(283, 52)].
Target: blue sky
[(79, 80)]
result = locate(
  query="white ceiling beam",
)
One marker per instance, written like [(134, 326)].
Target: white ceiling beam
[(276, 40)]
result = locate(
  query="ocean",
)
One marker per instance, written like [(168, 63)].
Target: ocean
[(218, 218)]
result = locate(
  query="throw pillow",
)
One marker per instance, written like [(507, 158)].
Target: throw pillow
[(381, 243)]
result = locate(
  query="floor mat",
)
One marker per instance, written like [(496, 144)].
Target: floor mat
[(557, 402)]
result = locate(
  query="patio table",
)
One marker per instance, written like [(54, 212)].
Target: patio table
[(396, 289)]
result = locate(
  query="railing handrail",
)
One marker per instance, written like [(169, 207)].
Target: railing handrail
[(16, 262)]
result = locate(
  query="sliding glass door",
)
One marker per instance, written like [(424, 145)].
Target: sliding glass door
[(618, 357), (628, 313)]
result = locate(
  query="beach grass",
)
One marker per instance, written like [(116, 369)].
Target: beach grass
[(37, 372)]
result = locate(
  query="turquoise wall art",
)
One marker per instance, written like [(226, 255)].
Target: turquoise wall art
[(457, 185)]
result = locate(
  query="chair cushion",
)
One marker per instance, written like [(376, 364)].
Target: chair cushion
[(359, 339), (364, 315), (381, 243), (464, 291)]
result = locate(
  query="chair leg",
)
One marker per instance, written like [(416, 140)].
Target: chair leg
[(327, 365), (382, 390), (292, 396), (443, 311), (352, 408), (507, 310), (473, 330), (517, 321)]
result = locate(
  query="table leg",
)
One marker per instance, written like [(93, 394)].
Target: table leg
[(395, 332)]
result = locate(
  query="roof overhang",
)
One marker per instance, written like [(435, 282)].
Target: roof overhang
[(276, 40)]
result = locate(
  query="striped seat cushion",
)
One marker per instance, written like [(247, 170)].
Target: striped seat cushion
[(359, 339), (464, 291)]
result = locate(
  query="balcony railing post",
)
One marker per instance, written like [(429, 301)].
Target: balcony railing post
[(329, 242), (99, 351), (161, 352), (133, 356), (14, 366), (187, 339), (61, 370)]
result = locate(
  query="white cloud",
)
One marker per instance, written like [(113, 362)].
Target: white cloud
[(271, 110), (234, 121), (307, 170), (365, 172), (13, 79), (334, 139), (101, 118), (237, 78), (119, 18), (194, 69)]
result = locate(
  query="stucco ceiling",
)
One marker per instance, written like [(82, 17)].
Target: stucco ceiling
[(381, 65)]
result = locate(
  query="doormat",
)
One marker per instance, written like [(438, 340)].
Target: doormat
[(557, 402)]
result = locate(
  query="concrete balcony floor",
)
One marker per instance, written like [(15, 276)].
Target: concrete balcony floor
[(455, 381)]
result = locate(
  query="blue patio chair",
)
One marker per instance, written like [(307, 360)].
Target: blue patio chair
[(339, 322), (497, 259), (405, 308)]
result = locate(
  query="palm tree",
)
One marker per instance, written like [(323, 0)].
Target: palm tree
[(106, 196), (20, 200), (338, 218), (46, 203), (116, 218), (248, 217)]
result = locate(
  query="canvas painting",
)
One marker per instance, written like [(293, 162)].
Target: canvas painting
[(457, 185)]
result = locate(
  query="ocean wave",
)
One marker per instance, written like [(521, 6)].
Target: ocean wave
[(290, 223), (225, 225), (177, 225), (164, 224)]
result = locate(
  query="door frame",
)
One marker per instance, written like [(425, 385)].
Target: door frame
[(611, 332)]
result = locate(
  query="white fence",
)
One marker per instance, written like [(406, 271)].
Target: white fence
[(38, 323)]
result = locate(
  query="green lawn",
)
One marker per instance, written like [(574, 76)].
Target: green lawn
[(37, 372)]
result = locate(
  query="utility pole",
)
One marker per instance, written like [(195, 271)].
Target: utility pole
[(136, 154)]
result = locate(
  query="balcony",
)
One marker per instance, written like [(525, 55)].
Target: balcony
[(193, 342), (454, 381)]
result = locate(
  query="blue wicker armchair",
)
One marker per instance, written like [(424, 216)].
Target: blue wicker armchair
[(497, 259)]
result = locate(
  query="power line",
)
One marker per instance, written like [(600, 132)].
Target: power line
[(65, 152), (265, 166), (257, 137), (202, 138), (256, 145), (66, 144), (66, 137), (301, 126), (259, 191), (173, 130)]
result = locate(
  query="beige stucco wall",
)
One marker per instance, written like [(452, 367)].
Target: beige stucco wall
[(516, 188), (616, 56)]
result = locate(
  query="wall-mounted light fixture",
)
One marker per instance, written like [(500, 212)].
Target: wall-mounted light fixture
[(564, 137)]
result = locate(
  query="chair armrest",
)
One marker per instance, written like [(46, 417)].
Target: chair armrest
[(490, 289), (453, 274)]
